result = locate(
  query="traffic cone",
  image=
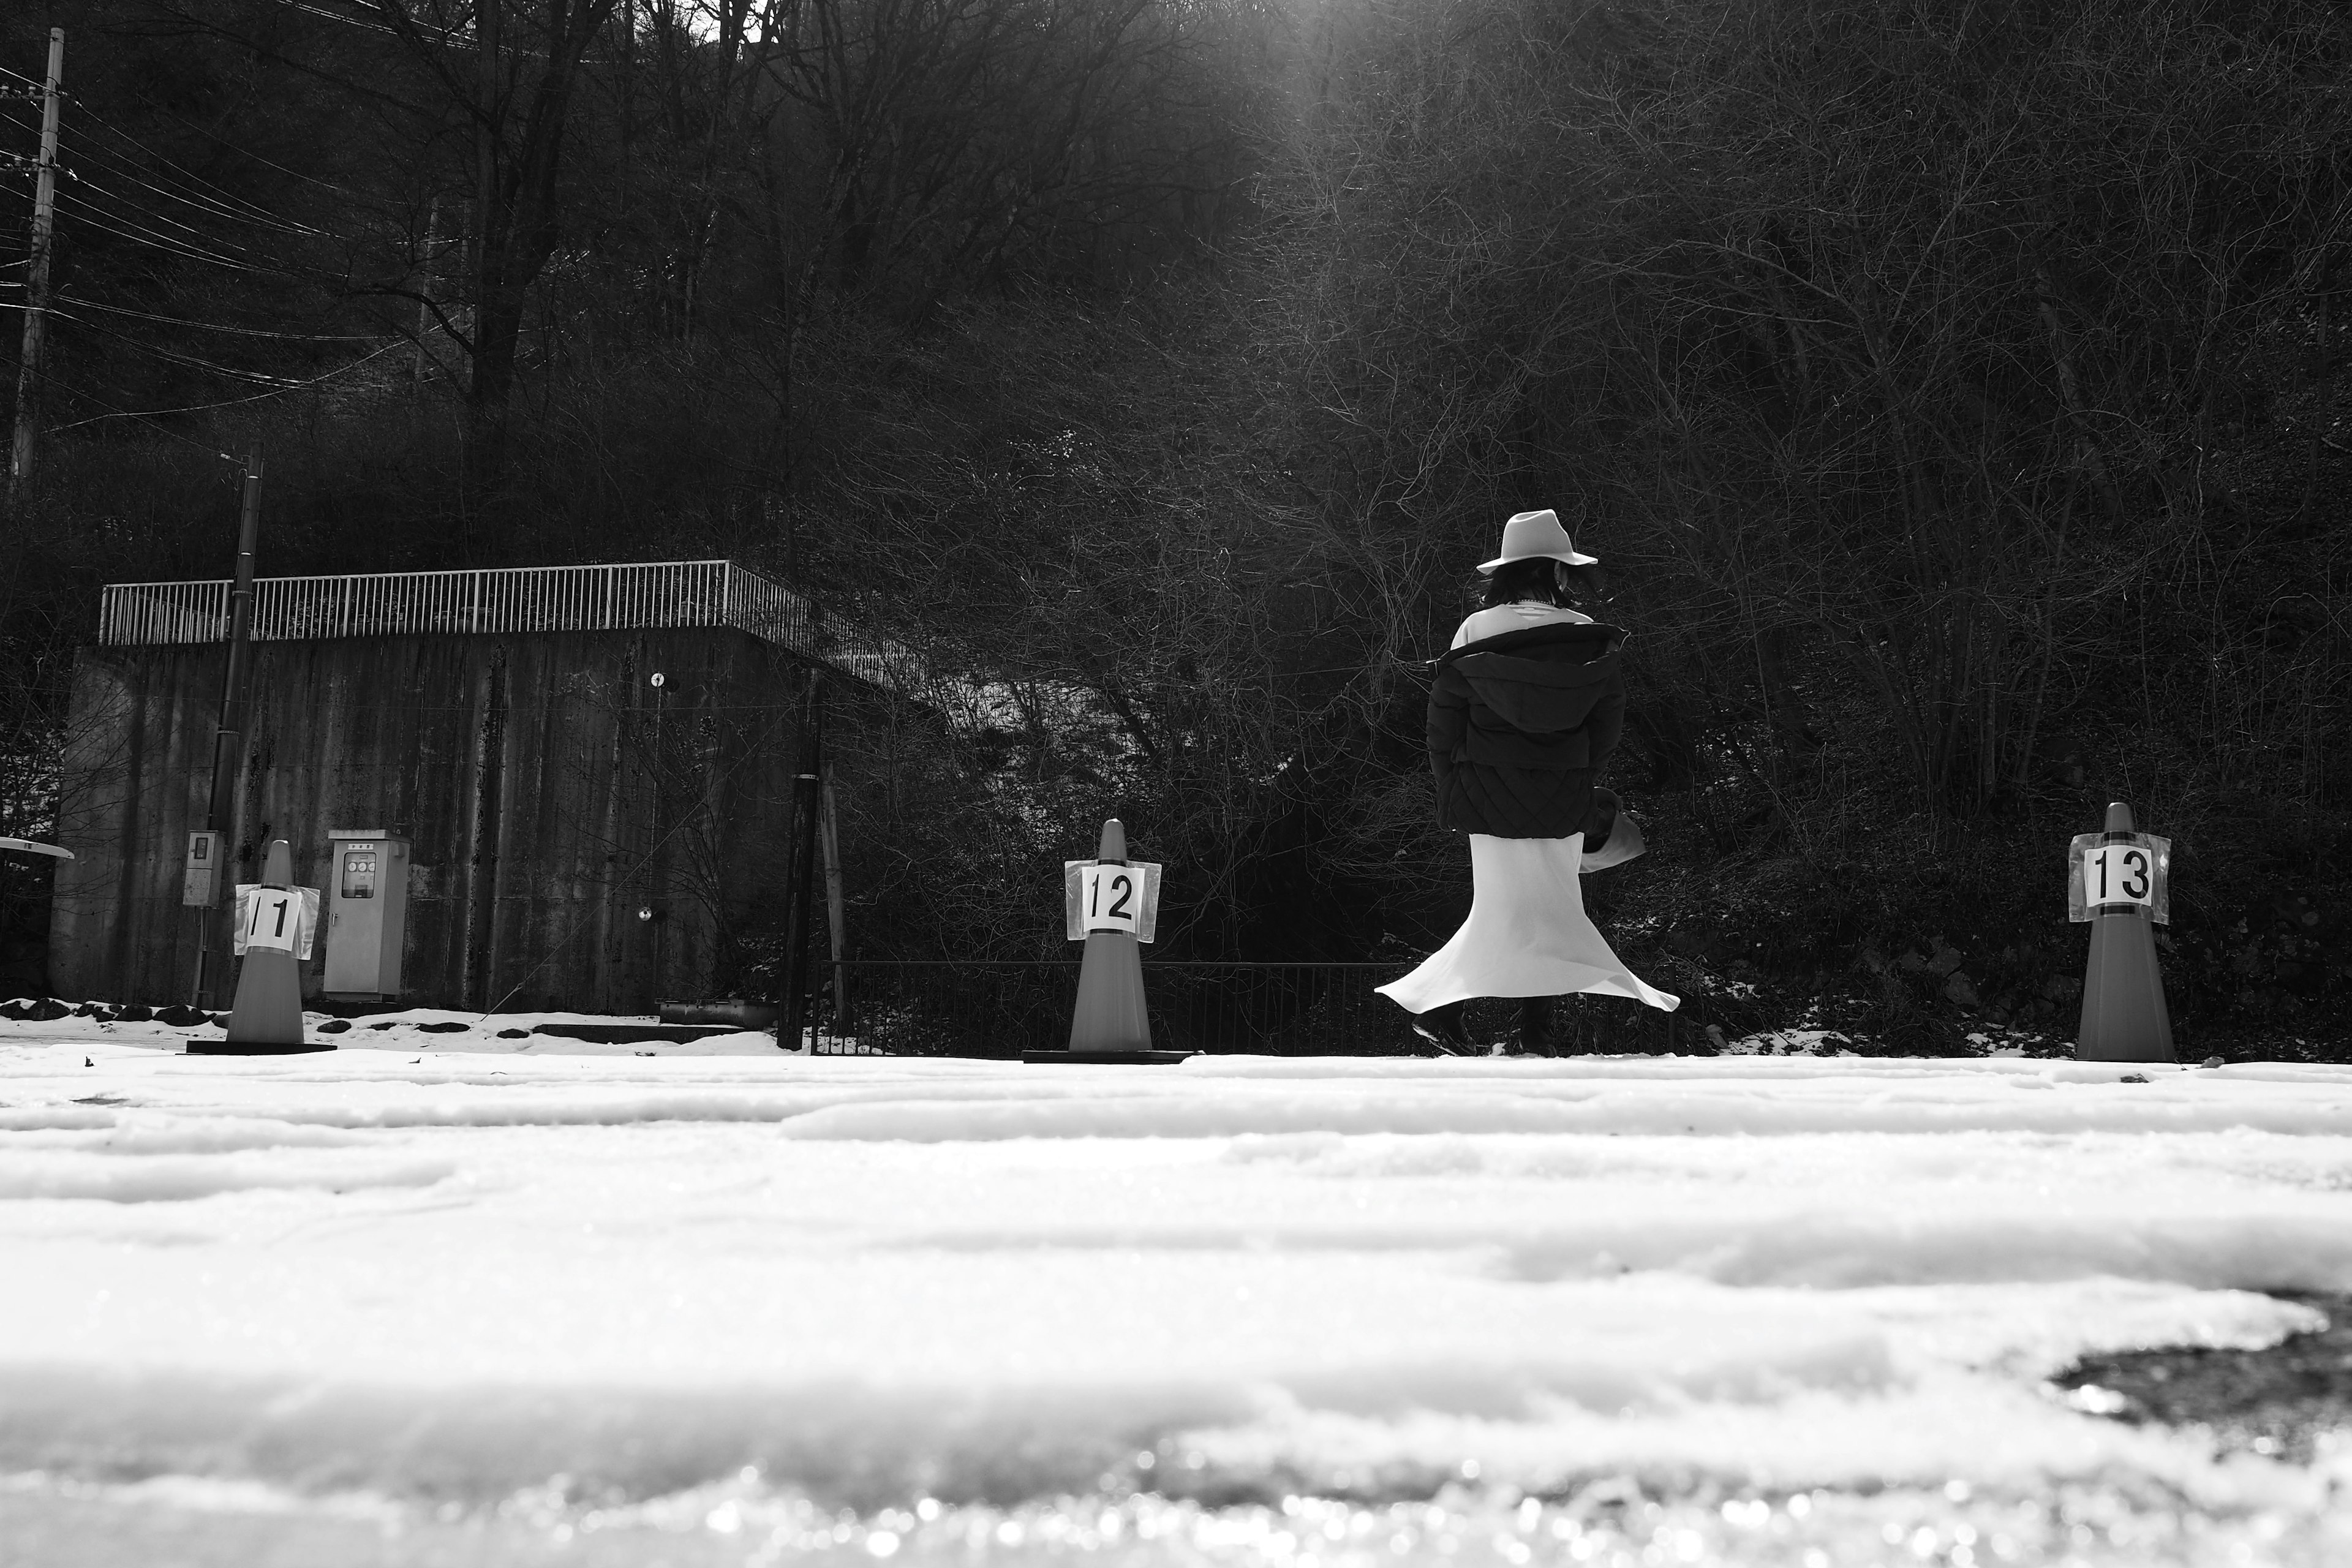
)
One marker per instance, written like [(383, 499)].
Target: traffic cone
[(268, 1017), (1110, 1023), (2124, 1015)]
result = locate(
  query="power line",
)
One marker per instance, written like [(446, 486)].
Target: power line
[(214, 136), (216, 247), (98, 217), (196, 199), (198, 195), (226, 202), (114, 413), (176, 356), (253, 212), (196, 236), (193, 362), (228, 402), (452, 37), (190, 243), (219, 326), (338, 16)]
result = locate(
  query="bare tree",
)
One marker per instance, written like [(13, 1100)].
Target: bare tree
[(507, 72)]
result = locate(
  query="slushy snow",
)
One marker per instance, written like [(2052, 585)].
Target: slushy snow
[(449, 1272)]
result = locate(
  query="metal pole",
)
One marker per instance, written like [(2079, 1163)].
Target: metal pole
[(829, 829), (36, 282), (219, 803), (806, 785), (424, 305)]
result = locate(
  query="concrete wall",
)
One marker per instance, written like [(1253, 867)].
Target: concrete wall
[(548, 790)]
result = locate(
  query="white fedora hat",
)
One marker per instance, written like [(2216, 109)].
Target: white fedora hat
[(1533, 535)]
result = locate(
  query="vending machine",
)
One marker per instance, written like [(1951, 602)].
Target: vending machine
[(367, 914)]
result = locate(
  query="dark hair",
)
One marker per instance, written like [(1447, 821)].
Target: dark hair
[(1541, 577)]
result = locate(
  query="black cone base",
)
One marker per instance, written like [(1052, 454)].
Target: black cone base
[(249, 1049), (1065, 1055)]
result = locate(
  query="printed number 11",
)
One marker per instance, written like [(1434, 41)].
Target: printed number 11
[(256, 926)]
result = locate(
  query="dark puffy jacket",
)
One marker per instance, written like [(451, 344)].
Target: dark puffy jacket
[(1518, 727)]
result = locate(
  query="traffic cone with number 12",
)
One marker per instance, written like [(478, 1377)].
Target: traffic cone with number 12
[(1110, 1023)]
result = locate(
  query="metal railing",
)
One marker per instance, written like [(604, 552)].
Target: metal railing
[(1001, 1008), (625, 597)]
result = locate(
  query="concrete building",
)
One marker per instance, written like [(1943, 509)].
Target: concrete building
[(591, 766)]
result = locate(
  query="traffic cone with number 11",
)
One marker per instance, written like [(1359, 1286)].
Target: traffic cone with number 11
[(268, 1018)]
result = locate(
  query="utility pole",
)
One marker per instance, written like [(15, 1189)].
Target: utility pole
[(829, 842), (36, 282), (231, 729), (797, 980), (424, 305), (488, 121)]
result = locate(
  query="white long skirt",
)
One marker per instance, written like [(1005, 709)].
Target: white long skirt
[(1528, 934)]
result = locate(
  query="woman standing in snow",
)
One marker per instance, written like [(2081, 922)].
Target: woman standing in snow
[(1527, 706)]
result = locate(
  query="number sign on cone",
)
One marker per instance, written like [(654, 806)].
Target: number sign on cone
[(2117, 880), (1112, 905)]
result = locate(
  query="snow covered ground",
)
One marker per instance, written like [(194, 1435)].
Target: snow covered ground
[(449, 1297)]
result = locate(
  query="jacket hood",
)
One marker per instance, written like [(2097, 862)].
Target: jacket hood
[(1542, 679)]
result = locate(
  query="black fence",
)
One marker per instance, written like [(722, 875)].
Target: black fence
[(1001, 1008)]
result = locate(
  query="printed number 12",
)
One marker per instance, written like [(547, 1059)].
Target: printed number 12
[(1123, 885)]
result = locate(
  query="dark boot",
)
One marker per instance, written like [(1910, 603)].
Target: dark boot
[(1443, 1028), (1535, 1027)]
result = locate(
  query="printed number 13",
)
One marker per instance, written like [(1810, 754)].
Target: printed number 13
[(2135, 883)]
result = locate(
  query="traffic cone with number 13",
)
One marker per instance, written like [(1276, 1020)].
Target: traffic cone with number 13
[(2124, 1015)]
